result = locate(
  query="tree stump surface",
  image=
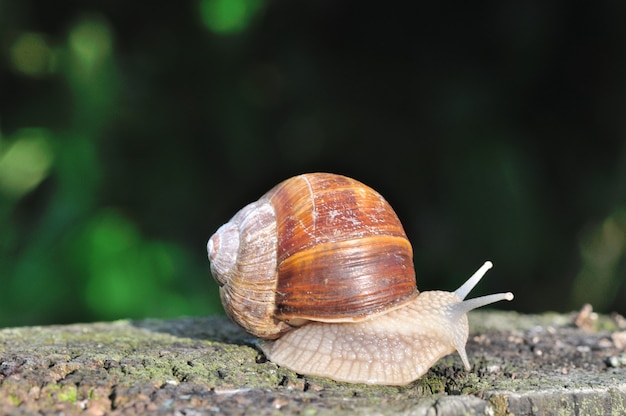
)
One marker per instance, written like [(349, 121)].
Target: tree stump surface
[(522, 364)]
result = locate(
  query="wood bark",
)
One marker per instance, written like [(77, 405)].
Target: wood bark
[(539, 364)]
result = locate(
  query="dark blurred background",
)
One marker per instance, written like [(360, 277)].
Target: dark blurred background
[(129, 133)]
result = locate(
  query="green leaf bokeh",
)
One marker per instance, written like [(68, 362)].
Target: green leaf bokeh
[(129, 133)]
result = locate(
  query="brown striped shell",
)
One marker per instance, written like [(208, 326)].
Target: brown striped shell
[(317, 247)]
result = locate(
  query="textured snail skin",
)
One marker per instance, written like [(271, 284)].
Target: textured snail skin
[(394, 349)]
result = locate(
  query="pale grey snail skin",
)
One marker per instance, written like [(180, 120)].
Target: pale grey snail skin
[(393, 349)]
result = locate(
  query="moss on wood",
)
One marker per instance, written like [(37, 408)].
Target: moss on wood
[(521, 365)]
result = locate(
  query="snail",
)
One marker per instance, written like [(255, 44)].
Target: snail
[(321, 270)]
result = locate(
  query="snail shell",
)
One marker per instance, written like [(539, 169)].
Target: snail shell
[(317, 247)]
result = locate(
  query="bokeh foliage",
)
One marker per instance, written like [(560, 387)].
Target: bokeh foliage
[(129, 133)]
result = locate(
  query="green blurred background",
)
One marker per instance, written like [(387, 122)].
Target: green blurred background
[(129, 133)]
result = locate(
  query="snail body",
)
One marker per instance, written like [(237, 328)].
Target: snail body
[(321, 269)]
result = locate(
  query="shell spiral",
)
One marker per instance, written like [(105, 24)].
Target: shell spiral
[(316, 247)]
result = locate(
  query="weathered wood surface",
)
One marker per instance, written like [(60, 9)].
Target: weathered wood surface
[(194, 366)]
